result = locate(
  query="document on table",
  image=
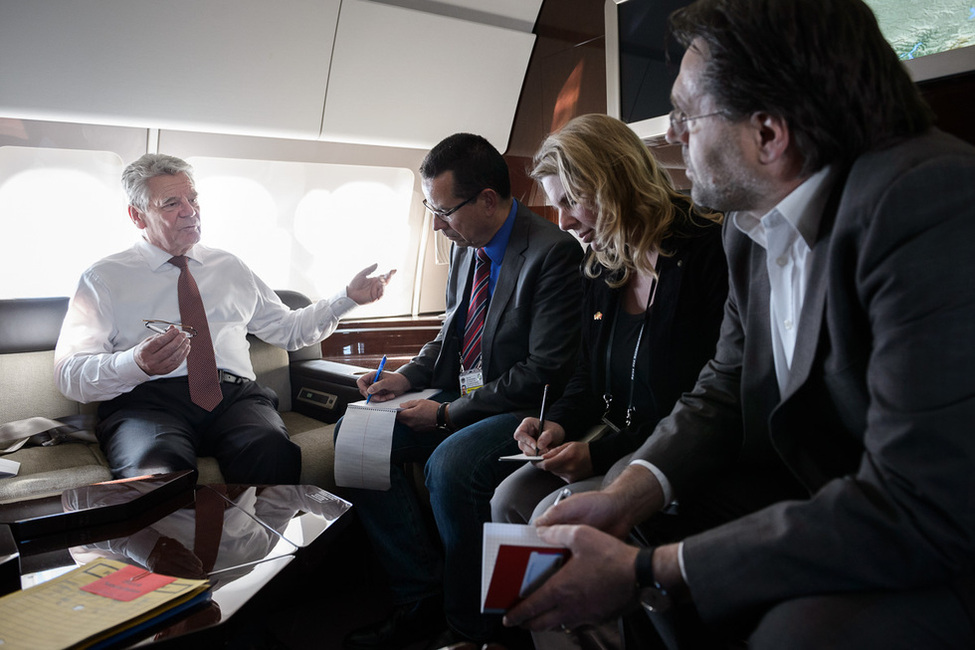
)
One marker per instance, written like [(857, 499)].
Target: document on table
[(365, 439), (101, 600)]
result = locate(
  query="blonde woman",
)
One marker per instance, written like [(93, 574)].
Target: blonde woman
[(655, 285)]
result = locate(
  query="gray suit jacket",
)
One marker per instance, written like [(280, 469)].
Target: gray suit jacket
[(531, 330), (878, 418)]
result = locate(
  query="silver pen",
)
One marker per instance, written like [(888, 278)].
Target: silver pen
[(563, 493)]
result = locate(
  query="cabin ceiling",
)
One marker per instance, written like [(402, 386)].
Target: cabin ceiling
[(519, 15), (400, 73)]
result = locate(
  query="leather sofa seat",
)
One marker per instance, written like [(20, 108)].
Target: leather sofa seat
[(29, 332)]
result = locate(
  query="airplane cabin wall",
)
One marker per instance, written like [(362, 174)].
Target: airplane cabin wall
[(354, 82), (338, 70), (564, 77)]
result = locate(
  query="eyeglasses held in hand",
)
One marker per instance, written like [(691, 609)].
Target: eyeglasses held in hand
[(161, 326)]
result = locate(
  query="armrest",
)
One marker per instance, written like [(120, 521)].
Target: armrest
[(322, 389), (31, 324)]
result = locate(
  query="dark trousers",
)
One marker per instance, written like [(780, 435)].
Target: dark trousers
[(933, 617), (907, 619), (155, 428)]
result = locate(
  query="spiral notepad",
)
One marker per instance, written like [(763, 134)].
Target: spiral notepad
[(365, 438)]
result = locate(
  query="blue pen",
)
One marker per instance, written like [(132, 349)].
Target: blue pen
[(379, 373)]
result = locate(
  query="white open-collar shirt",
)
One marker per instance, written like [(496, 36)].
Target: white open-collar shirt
[(95, 353)]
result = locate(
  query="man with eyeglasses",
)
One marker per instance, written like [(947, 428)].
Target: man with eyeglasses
[(818, 479), (509, 331), (124, 343)]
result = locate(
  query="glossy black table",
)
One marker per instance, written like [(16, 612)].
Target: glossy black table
[(253, 543)]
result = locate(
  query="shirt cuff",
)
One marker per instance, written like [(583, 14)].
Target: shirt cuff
[(340, 304), (129, 372), (680, 561), (665, 486)]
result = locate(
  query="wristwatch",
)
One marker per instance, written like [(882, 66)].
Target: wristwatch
[(653, 595), (442, 418)]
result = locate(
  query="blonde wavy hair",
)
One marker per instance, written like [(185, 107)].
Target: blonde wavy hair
[(604, 166)]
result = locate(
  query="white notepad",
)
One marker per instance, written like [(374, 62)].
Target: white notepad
[(365, 439), (522, 457)]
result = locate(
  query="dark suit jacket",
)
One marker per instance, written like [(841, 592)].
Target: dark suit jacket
[(680, 335), (878, 418), (531, 331)]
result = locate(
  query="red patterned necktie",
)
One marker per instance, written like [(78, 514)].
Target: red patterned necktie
[(201, 365), (476, 309)]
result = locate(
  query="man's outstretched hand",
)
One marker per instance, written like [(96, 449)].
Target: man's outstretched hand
[(364, 289)]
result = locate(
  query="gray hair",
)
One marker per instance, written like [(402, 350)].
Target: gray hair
[(135, 178)]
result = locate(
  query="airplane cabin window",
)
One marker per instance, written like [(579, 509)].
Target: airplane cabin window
[(311, 226), (60, 210), (308, 227)]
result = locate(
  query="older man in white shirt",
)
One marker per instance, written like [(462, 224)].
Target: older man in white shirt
[(123, 343)]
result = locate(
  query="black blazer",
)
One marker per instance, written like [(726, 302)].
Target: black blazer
[(679, 339), (531, 330), (876, 422)]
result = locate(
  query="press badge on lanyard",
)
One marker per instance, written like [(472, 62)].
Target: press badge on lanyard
[(470, 380)]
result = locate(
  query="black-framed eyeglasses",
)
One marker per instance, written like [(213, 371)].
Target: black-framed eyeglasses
[(678, 120), (161, 326), (445, 214)]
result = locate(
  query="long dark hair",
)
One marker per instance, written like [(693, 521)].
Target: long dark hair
[(822, 65)]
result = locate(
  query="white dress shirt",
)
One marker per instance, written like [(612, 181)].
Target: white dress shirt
[(787, 233), (95, 358)]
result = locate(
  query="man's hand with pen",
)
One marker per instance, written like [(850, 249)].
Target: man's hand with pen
[(379, 386), (382, 386)]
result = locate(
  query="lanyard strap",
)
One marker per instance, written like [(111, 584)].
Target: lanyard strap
[(608, 396)]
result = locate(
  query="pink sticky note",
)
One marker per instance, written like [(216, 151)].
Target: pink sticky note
[(128, 584)]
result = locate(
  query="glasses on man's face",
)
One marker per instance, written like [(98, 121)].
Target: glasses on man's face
[(445, 214), (679, 120), (161, 326)]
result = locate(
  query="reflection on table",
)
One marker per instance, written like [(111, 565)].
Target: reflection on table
[(239, 537)]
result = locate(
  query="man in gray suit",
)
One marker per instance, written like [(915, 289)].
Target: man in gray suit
[(822, 468), (529, 335)]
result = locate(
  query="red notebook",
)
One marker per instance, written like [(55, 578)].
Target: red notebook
[(515, 562)]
